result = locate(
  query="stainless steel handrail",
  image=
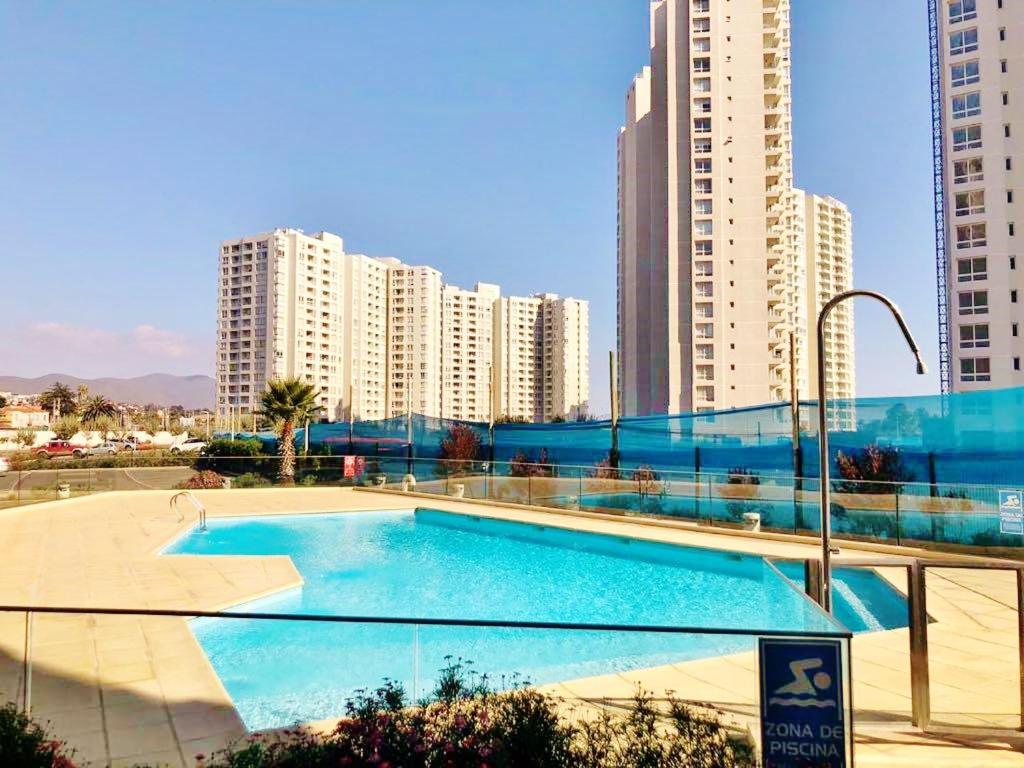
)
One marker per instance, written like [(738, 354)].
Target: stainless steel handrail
[(195, 503)]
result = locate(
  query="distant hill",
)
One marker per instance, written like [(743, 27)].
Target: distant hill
[(159, 388)]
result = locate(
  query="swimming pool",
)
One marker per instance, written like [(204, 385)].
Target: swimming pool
[(425, 563)]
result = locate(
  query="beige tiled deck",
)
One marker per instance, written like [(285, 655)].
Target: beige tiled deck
[(124, 690)]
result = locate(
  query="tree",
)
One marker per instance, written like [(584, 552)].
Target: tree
[(58, 400), (873, 469), (3, 401), (460, 446), (288, 402), (83, 394), (506, 419), (104, 425), (26, 438), (66, 427), (93, 408)]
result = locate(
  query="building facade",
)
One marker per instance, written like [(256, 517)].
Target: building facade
[(542, 363), (710, 228), (414, 339), (379, 338), (467, 351), (978, 106)]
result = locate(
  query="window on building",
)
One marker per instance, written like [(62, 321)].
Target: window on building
[(1009, 163), (702, 44), (707, 394), (1003, 67), (701, 146), (968, 137), (970, 203), (974, 336), (973, 302), (702, 165), (1011, 229), (965, 74), (703, 64), (970, 236), (702, 186), (701, 105), (964, 41), (703, 227), (705, 373), (702, 84), (704, 310), (1002, 34), (702, 247), (1013, 262), (967, 105), (705, 290), (1009, 195), (1014, 329), (1016, 363), (975, 268), (1006, 130), (703, 268), (975, 369), (968, 170), (701, 6), (704, 330), (702, 207), (962, 10), (705, 352), (702, 25), (1006, 99), (702, 125), (1013, 296)]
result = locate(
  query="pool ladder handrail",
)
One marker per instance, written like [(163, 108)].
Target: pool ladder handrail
[(195, 503)]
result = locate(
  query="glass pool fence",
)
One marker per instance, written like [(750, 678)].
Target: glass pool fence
[(909, 513)]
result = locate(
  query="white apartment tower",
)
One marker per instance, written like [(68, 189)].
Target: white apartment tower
[(279, 315), (380, 338), (710, 228), (414, 339), (826, 264), (542, 366), (467, 351), (978, 112)]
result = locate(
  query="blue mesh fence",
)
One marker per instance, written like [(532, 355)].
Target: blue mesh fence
[(969, 438)]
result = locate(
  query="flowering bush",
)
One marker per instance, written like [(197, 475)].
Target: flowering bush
[(207, 479), (466, 724), (26, 744), (874, 469)]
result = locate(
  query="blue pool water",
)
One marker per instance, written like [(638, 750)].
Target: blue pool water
[(433, 564)]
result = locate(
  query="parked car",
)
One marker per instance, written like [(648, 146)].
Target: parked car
[(108, 448), (123, 444), (5, 465), (55, 448), (192, 445)]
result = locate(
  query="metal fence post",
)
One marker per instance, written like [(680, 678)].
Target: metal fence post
[(812, 579), (1020, 640), (26, 672), (920, 696)]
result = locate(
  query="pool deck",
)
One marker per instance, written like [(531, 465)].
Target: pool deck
[(124, 690)]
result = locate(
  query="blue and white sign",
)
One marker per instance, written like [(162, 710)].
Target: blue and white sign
[(1011, 512), (804, 720)]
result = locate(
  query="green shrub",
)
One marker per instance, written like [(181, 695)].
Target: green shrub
[(249, 480), (26, 744), (465, 722), (224, 447), (743, 476)]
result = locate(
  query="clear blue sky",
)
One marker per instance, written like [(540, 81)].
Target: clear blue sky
[(478, 137)]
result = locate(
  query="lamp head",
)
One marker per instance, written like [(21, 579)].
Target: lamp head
[(921, 367)]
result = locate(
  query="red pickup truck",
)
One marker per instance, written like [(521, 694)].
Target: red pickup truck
[(60, 448)]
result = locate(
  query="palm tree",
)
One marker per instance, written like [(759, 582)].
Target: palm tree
[(288, 402), (58, 400), (93, 408)]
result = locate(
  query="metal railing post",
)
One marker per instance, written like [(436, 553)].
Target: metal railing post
[(26, 671), (1020, 640), (812, 579), (920, 688)]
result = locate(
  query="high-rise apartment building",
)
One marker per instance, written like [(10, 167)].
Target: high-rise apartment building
[(826, 264), (542, 365), (710, 228), (467, 351), (566, 358), (414, 339), (978, 115), (380, 338), (279, 315), (364, 342)]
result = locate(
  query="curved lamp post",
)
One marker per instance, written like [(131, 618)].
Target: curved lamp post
[(823, 457)]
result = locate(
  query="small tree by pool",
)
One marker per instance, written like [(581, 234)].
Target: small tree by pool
[(286, 403)]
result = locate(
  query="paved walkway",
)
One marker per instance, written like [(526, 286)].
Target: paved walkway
[(124, 690)]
